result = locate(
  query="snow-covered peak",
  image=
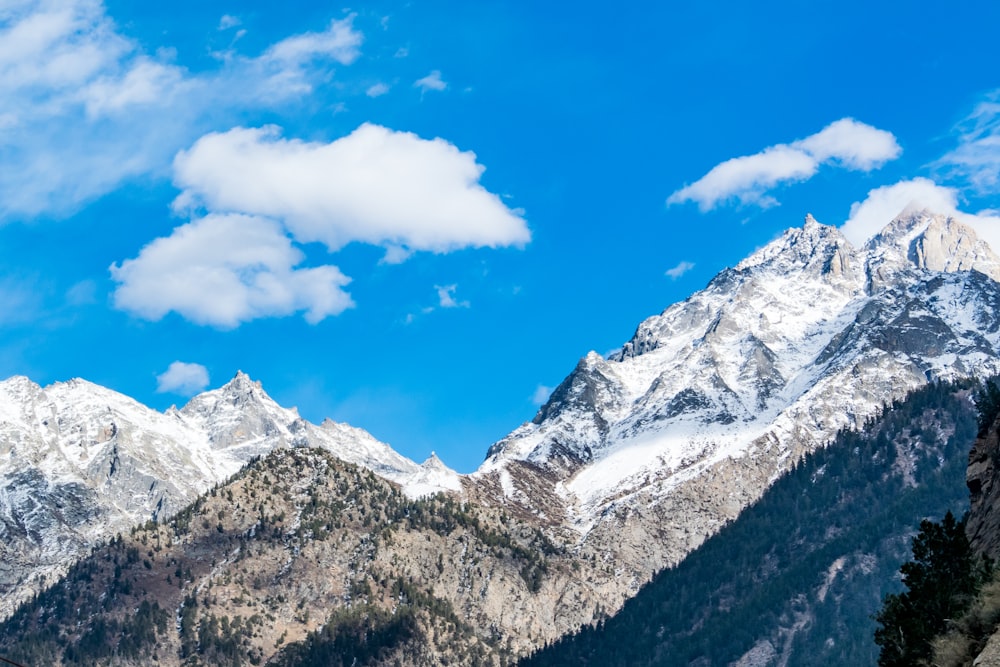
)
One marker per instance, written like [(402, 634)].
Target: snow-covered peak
[(813, 248), (807, 335), (432, 462), (432, 477), (921, 239), (80, 462), (238, 394)]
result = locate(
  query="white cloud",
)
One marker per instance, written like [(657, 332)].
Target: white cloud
[(289, 68), (868, 217), (541, 394), (146, 83), (976, 159), (339, 42), (229, 21), (375, 186), (852, 145), (83, 108), (223, 270), (747, 179), (377, 90), (54, 47), (446, 297), (679, 270), (432, 81), (62, 67), (182, 378)]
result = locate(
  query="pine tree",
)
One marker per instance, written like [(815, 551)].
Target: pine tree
[(941, 581)]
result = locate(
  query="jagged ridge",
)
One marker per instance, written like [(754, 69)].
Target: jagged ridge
[(714, 398), (80, 463)]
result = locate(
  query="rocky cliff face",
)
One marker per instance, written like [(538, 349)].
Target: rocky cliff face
[(983, 480)]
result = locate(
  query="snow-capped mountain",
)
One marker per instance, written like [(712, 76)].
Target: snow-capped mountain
[(655, 446), (80, 463), (635, 459)]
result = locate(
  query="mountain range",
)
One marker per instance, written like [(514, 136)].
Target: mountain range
[(80, 463), (636, 459)]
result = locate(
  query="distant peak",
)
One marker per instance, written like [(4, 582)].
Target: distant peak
[(924, 239), (434, 462), (241, 390), (241, 377), (243, 384), (811, 244)]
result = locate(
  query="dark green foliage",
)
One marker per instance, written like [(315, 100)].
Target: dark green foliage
[(987, 404), (851, 500), (352, 638), (97, 636), (941, 582)]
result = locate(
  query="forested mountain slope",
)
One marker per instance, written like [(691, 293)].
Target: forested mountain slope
[(795, 579)]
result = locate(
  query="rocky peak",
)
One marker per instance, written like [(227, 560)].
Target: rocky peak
[(242, 389), (814, 248), (15, 394), (589, 385), (434, 463), (948, 245), (806, 336), (923, 240), (240, 396)]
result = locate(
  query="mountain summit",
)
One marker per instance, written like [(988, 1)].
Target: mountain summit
[(80, 463), (658, 444)]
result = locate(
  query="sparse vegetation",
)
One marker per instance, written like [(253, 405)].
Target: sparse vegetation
[(294, 538)]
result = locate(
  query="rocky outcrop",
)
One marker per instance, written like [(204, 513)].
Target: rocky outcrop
[(983, 480)]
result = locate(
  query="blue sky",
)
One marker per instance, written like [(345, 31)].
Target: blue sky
[(417, 217)]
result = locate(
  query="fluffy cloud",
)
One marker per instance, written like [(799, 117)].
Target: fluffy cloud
[(747, 179), (182, 378), (223, 270), (62, 66), (885, 203), (375, 186), (83, 108), (976, 159), (851, 144), (145, 83), (679, 270), (432, 81)]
